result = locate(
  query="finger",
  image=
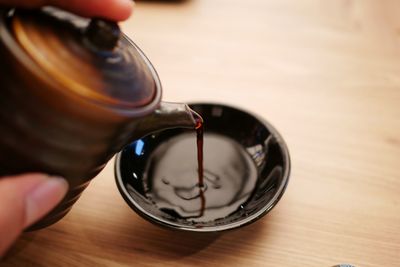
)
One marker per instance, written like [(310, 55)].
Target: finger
[(24, 200), (117, 10), (112, 9)]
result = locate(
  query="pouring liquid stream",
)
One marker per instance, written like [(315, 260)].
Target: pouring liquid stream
[(200, 164)]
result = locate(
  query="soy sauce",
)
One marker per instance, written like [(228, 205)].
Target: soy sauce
[(200, 164)]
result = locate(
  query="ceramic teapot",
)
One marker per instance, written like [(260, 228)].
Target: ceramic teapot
[(73, 92)]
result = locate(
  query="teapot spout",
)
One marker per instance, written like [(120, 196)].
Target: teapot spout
[(169, 115)]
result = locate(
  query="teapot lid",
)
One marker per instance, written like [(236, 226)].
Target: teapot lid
[(91, 58)]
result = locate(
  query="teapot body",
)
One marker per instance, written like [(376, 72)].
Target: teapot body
[(44, 128)]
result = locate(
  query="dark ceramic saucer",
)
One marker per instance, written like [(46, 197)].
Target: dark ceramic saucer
[(264, 148)]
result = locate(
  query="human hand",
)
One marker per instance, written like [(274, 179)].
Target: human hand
[(110, 9), (23, 200)]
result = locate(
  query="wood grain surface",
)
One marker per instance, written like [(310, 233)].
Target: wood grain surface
[(326, 74)]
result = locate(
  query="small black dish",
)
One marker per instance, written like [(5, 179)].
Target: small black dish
[(244, 155)]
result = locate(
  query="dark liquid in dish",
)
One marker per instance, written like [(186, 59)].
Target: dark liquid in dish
[(183, 184)]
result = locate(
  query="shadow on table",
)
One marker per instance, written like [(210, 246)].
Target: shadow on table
[(170, 245)]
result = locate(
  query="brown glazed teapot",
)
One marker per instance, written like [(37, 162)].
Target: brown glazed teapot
[(73, 92)]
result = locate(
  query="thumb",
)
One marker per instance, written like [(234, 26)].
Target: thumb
[(25, 199)]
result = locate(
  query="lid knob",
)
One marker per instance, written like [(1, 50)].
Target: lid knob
[(103, 34)]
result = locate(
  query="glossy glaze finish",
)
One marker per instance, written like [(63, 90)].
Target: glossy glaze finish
[(262, 143), (46, 125), (114, 74)]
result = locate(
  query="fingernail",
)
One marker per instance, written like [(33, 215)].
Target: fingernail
[(44, 198), (125, 3)]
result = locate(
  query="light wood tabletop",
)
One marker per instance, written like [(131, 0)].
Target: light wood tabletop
[(326, 74)]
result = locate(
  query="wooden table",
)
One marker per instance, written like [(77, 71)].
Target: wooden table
[(327, 75)]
